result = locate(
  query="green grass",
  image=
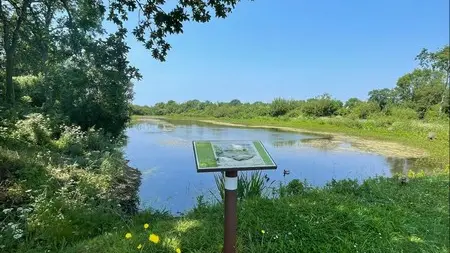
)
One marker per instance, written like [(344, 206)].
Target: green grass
[(379, 216), (262, 152), (205, 155)]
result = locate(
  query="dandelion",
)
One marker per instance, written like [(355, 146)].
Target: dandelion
[(146, 225), (263, 232), (139, 246), (128, 235), (178, 250), (153, 238)]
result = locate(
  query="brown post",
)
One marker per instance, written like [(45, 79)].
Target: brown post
[(230, 224)]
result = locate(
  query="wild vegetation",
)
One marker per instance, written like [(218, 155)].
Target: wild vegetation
[(65, 94)]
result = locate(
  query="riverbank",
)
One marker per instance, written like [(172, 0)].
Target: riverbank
[(408, 139), (380, 215)]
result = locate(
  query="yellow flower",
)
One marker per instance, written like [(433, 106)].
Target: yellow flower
[(153, 238), (139, 246), (128, 235), (146, 225), (263, 232), (178, 250)]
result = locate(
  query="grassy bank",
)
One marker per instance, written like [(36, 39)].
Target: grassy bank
[(60, 185), (378, 216), (413, 133)]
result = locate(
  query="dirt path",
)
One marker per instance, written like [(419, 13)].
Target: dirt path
[(385, 148)]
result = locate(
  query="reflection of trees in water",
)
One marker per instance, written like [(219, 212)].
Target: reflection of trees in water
[(323, 143), (286, 143), (401, 166)]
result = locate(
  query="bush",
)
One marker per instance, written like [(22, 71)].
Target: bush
[(295, 187), (433, 114), (31, 87), (280, 107), (364, 109), (35, 129), (402, 113), (323, 106)]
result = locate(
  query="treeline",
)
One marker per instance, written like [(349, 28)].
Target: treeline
[(421, 94)]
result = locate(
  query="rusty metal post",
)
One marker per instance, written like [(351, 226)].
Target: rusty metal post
[(230, 223)]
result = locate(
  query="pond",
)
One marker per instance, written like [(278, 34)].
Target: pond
[(163, 152)]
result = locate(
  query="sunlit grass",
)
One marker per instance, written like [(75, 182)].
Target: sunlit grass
[(381, 215)]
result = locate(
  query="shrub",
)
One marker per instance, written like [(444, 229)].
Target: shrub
[(31, 87), (295, 187), (35, 129), (321, 106), (280, 107), (71, 140), (433, 114), (403, 113), (364, 109)]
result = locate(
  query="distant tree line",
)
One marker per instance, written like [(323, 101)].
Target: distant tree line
[(423, 93)]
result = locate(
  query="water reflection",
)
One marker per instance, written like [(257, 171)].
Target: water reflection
[(401, 166)]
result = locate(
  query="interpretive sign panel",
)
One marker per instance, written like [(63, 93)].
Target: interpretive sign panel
[(231, 155)]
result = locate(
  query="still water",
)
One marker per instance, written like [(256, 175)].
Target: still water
[(163, 152)]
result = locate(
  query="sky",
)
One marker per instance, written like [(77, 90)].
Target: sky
[(295, 49)]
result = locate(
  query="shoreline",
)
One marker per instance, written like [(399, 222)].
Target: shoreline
[(381, 147)]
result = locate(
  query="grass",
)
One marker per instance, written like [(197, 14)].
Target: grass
[(378, 216)]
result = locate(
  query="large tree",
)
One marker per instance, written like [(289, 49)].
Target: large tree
[(437, 61), (382, 97), (70, 21)]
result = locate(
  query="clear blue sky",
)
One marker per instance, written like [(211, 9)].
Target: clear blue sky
[(293, 49)]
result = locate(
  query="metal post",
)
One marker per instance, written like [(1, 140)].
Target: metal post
[(230, 223)]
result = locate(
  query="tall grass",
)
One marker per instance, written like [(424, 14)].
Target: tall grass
[(250, 184)]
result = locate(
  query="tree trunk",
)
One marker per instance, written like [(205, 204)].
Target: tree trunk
[(444, 94), (10, 94)]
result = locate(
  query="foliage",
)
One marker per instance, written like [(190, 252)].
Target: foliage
[(71, 185), (280, 107), (250, 184), (322, 106), (378, 215), (35, 129), (364, 110)]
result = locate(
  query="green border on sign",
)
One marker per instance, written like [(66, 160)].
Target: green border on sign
[(205, 154), (263, 153)]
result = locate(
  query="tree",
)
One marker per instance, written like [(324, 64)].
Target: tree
[(235, 102), (34, 25), (437, 61), (352, 102), (421, 89), (382, 97), (12, 15), (69, 21)]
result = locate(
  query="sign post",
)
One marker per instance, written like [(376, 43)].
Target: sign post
[(231, 157)]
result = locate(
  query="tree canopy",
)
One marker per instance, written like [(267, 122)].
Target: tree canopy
[(81, 71)]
